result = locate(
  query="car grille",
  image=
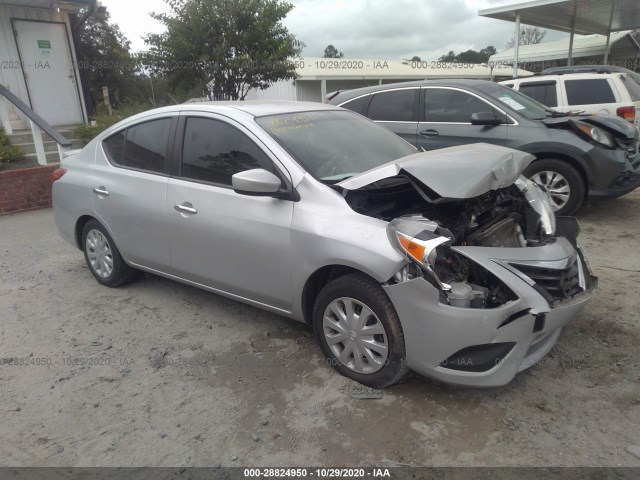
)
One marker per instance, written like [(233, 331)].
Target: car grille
[(559, 284)]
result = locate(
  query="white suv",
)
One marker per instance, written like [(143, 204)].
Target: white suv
[(592, 90)]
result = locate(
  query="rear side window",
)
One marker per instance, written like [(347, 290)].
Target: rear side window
[(543, 92), (356, 105), (589, 91), (143, 146), (394, 106), (213, 151)]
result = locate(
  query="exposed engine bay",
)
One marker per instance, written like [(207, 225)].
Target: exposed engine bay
[(497, 218)]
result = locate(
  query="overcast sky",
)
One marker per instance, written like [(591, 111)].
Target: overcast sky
[(386, 29)]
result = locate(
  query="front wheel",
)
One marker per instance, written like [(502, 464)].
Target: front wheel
[(561, 181), (359, 331)]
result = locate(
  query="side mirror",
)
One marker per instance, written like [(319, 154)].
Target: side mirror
[(485, 118), (257, 182)]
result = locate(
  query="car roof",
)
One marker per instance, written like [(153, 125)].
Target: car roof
[(585, 69), (451, 82), (233, 109), (254, 108)]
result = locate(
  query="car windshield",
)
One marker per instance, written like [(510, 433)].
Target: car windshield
[(334, 145), (517, 102)]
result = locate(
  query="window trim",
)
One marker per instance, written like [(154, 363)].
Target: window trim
[(168, 150), (178, 144), (423, 96), (416, 103)]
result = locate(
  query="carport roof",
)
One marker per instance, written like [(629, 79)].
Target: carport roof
[(588, 46), (591, 16), (69, 4)]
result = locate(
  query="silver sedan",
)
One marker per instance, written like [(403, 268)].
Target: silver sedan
[(449, 262)]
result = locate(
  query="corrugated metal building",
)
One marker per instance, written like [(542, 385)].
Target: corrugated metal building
[(317, 76)]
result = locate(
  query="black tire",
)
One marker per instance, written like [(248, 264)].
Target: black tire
[(121, 273), (577, 187), (363, 289)]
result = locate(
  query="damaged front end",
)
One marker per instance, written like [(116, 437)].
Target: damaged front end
[(490, 277)]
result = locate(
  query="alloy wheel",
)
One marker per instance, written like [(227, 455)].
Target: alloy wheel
[(555, 185)]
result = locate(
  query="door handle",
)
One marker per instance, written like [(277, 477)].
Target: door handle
[(185, 207), (101, 191), (430, 133)]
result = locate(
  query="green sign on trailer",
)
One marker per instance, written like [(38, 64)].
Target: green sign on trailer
[(44, 44)]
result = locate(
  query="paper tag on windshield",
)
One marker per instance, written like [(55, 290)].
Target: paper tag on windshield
[(512, 103)]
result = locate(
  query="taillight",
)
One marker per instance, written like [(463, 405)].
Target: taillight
[(628, 113), (57, 175)]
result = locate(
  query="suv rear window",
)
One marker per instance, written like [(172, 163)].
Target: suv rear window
[(589, 91), (543, 92)]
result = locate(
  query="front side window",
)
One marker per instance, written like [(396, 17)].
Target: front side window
[(543, 92), (394, 106), (213, 151), (142, 146), (514, 101), (589, 91), (452, 106)]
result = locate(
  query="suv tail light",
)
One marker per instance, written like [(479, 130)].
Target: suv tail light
[(628, 113), (57, 174)]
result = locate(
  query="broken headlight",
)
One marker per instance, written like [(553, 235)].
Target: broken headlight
[(596, 134), (418, 239), (540, 201)]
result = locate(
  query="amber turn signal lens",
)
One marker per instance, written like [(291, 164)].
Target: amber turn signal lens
[(412, 248)]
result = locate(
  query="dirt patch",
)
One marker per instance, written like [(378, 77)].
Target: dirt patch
[(158, 373)]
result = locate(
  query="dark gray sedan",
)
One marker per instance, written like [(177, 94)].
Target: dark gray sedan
[(576, 156)]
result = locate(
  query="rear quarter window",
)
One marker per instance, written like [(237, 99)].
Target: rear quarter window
[(589, 91), (114, 146), (356, 105), (543, 92)]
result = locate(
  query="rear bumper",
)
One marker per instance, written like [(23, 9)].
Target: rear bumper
[(445, 342)]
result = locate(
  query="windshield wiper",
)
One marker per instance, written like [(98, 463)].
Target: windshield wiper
[(555, 114), (337, 178)]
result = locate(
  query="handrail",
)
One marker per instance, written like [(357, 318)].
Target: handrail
[(35, 118)]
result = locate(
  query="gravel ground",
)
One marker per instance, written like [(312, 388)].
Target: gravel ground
[(158, 373)]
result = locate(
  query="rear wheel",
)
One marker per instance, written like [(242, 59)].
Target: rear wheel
[(359, 331), (102, 256), (562, 181)]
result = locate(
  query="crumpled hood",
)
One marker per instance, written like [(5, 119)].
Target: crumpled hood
[(465, 171)]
